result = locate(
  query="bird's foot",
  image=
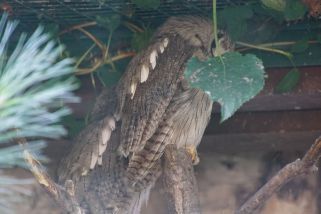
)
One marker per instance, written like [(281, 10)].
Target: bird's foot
[(191, 150)]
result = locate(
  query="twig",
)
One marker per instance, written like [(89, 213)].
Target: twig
[(94, 39), (179, 182), (287, 173), (82, 71), (133, 27), (64, 196), (76, 27)]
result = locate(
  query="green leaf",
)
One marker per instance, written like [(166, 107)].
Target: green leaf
[(147, 4), (234, 20), (231, 79), (108, 77), (140, 40), (288, 82), (111, 22), (52, 29), (278, 5), (300, 46), (294, 10), (73, 125)]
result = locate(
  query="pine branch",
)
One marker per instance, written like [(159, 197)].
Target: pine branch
[(34, 85)]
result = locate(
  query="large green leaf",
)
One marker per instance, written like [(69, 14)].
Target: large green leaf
[(231, 79)]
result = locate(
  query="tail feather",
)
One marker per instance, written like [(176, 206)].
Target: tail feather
[(140, 163)]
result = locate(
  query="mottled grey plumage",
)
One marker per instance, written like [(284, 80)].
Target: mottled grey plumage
[(155, 108)]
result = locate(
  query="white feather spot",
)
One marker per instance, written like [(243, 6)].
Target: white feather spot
[(84, 172), (111, 123), (144, 73), (165, 42), (161, 48), (152, 58), (105, 136), (94, 158), (133, 87)]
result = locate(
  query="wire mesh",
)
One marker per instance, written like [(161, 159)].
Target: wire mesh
[(69, 12)]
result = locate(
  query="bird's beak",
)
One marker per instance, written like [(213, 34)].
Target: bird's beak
[(218, 51)]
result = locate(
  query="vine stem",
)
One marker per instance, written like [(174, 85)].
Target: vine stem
[(215, 23), (260, 47), (274, 44)]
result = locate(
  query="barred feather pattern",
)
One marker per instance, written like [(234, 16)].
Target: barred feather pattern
[(184, 124), (153, 106), (141, 114)]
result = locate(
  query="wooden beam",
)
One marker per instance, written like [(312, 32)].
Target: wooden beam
[(257, 142), (262, 122)]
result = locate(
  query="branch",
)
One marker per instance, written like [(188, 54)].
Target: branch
[(287, 173), (179, 182), (64, 196), (76, 27)]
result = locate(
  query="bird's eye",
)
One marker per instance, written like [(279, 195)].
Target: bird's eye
[(199, 38), (220, 35)]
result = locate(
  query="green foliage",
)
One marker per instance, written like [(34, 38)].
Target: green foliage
[(109, 77), (140, 40), (73, 125), (13, 156), (34, 85), (110, 22), (147, 4), (294, 10), (31, 87), (288, 82), (300, 46), (234, 20), (278, 5), (52, 29), (230, 80), (290, 9)]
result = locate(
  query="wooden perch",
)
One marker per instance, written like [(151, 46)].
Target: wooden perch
[(180, 184), (287, 173)]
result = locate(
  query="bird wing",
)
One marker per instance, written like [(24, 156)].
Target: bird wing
[(145, 92)]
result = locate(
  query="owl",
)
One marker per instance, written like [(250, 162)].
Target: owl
[(155, 105), (151, 107)]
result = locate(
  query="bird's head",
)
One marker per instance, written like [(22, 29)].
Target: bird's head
[(198, 32)]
